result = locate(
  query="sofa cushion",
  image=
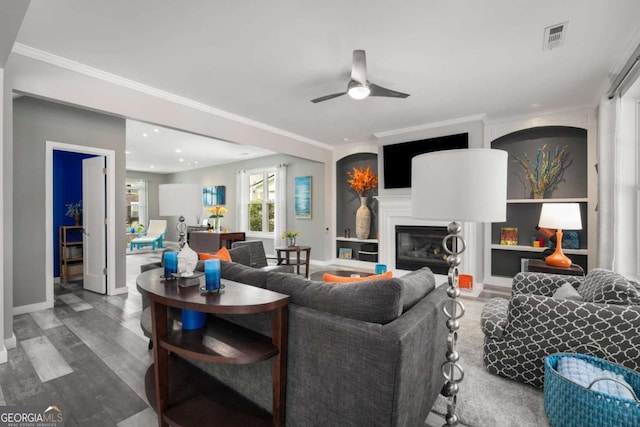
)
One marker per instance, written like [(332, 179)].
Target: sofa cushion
[(606, 287), (241, 255), (243, 274), (415, 286), (377, 301), (330, 278)]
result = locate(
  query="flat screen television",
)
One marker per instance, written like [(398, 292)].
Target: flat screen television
[(396, 158)]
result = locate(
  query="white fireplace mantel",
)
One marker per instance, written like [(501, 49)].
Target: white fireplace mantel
[(396, 210)]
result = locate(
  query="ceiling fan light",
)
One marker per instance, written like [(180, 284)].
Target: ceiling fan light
[(359, 91)]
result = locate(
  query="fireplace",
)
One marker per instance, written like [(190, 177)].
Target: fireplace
[(421, 246)]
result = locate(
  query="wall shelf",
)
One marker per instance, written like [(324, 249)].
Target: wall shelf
[(71, 252), (353, 239)]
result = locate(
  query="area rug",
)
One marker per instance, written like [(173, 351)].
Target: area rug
[(484, 399)]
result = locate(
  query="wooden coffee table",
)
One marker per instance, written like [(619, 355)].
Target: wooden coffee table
[(176, 389)]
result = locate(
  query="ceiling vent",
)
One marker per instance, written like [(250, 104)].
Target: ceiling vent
[(554, 36)]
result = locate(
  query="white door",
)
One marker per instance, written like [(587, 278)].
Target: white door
[(94, 185)]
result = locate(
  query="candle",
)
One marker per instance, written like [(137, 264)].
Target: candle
[(212, 274), (170, 264)]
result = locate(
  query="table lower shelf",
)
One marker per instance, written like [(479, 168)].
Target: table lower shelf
[(198, 399)]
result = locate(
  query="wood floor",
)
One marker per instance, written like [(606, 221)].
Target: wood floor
[(88, 356)]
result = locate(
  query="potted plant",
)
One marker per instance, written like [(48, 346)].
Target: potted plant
[(290, 236), (74, 210)]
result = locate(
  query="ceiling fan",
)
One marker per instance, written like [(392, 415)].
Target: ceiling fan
[(359, 87)]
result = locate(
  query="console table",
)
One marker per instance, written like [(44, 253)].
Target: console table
[(203, 241), (176, 389), (539, 266), (284, 257)]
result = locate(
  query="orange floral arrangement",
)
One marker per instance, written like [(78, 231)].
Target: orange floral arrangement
[(362, 180)]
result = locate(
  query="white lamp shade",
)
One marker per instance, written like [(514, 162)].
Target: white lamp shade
[(565, 216), (180, 199), (460, 185)]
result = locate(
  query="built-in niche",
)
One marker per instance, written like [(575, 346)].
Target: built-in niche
[(523, 210), (348, 202)]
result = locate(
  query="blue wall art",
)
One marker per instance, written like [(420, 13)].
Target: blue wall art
[(302, 197)]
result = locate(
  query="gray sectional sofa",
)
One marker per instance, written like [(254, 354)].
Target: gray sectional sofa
[(359, 354)]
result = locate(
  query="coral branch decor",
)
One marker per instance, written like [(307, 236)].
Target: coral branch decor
[(546, 173), (361, 181)]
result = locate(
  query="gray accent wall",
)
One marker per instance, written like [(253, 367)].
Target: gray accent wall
[(312, 230), (35, 122)]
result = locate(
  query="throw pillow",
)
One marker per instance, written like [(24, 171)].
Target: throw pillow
[(415, 286), (606, 287), (222, 254), (566, 291), (330, 278), (379, 301)]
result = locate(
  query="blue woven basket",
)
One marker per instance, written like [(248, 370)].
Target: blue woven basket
[(568, 404)]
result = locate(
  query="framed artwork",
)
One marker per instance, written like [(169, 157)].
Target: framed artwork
[(214, 195), (302, 197), (345, 253), (509, 236)]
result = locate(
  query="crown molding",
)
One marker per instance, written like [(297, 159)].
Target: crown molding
[(68, 64), (443, 123)]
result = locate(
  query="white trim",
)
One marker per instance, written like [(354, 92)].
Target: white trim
[(11, 342), (119, 291), (30, 308), (111, 213), (457, 121), (78, 67), (4, 356)]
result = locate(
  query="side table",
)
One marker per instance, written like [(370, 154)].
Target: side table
[(176, 389), (284, 257), (539, 266)]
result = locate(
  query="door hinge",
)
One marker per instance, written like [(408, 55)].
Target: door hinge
[(104, 271), (104, 171), (104, 221)]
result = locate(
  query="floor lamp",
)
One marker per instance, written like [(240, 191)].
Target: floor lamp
[(458, 185), (180, 200)]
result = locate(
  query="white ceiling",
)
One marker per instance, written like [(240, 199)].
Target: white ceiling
[(266, 60), (158, 149)]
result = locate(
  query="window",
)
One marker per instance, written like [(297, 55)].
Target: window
[(136, 202), (262, 200)]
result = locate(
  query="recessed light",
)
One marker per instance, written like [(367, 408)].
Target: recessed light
[(188, 164), (144, 134), (127, 152), (178, 150), (151, 166), (156, 130), (181, 160), (345, 139), (536, 105), (196, 162)]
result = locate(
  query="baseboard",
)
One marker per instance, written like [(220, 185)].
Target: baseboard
[(118, 291), (11, 342), (30, 308)]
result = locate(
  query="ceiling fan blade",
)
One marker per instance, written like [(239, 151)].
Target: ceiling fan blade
[(328, 97), (359, 67), (383, 91)]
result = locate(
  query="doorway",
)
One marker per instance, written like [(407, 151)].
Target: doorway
[(109, 156)]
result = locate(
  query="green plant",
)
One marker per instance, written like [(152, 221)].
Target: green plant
[(73, 209)]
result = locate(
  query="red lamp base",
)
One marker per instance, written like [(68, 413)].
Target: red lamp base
[(558, 259)]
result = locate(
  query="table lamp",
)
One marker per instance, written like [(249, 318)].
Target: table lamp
[(180, 200), (560, 216), (458, 185)]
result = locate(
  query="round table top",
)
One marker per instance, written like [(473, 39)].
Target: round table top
[(234, 298), (292, 248)]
